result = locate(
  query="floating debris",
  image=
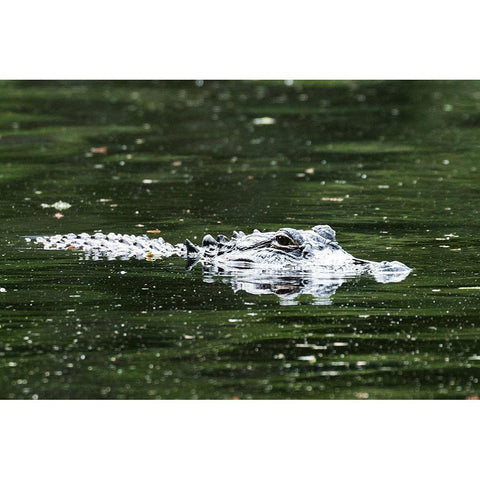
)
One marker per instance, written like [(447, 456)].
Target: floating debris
[(264, 121), (101, 150), (469, 288), (3, 289), (362, 395), (310, 171), (177, 163), (308, 358), (60, 205), (58, 215), (156, 230), (332, 199), (311, 346)]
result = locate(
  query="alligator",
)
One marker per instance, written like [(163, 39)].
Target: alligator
[(288, 252)]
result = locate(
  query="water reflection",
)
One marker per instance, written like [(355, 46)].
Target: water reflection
[(288, 287)]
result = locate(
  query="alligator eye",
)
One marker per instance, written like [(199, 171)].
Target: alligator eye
[(284, 241)]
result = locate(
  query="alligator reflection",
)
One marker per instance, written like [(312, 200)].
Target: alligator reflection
[(290, 286)]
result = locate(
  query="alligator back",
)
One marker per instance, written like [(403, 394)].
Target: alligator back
[(100, 246)]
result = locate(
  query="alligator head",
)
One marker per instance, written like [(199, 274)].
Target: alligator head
[(315, 249)]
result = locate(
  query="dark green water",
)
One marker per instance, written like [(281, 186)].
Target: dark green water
[(391, 166)]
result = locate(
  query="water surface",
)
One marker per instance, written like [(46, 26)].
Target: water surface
[(391, 166)]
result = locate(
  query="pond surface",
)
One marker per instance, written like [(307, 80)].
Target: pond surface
[(393, 167)]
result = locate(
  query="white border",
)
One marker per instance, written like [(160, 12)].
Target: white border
[(244, 40), (239, 439), (252, 39)]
